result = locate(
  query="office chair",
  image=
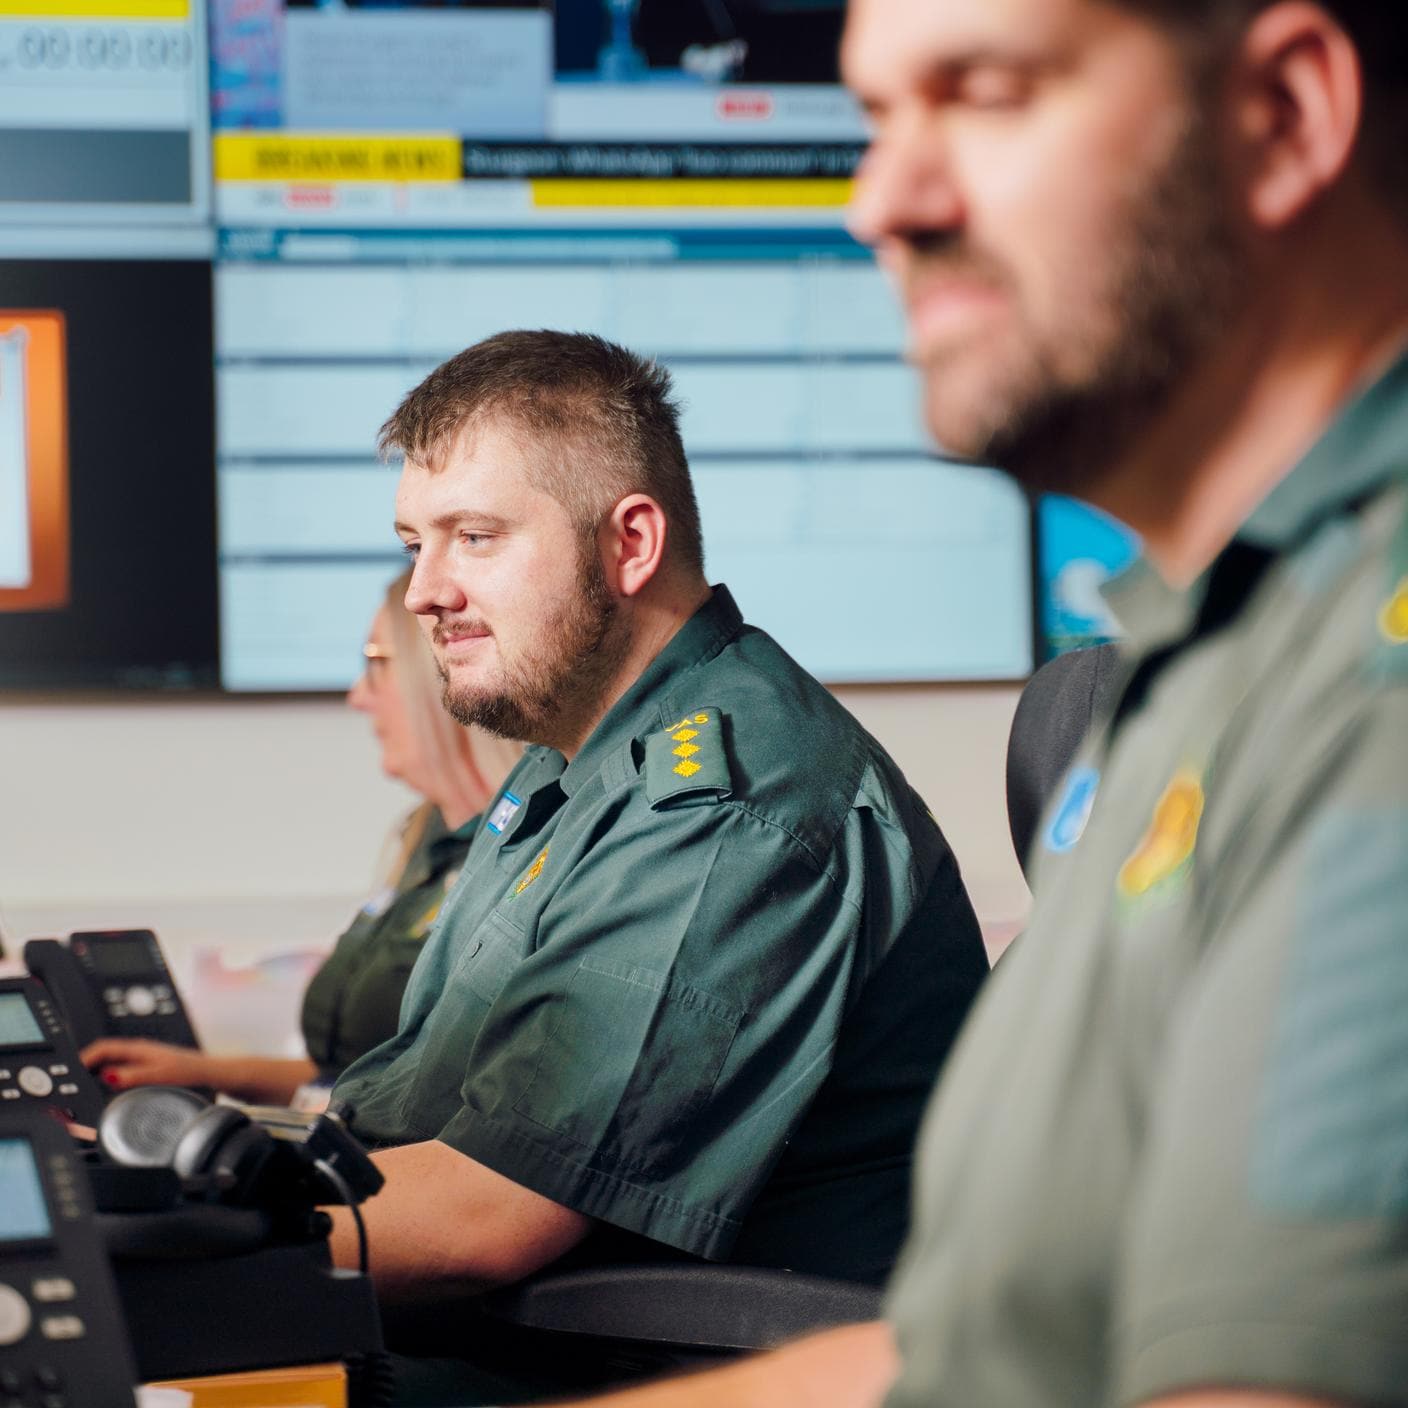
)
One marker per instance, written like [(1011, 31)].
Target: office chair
[(662, 1315), (1058, 705)]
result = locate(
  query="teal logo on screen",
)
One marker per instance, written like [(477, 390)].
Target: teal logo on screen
[(1080, 550)]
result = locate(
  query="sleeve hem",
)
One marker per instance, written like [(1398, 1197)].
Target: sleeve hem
[(1287, 1358), (591, 1191)]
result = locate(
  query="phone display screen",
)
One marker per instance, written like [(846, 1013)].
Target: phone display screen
[(17, 1024), (121, 958), (24, 1215)]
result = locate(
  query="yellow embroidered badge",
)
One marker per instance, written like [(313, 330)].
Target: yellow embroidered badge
[(1393, 615), (532, 873), (1168, 843), (422, 925)]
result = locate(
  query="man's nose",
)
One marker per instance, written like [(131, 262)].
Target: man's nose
[(432, 588), (905, 189)]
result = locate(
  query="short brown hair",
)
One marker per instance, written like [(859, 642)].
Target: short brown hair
[(1379, 32), (608, 414)]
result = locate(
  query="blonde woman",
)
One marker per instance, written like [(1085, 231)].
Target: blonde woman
[(352, 1002)]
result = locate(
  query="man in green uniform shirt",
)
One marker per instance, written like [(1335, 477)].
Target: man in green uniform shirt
[(1155, 252), (703, 962)]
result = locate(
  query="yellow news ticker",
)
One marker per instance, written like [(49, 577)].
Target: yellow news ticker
[(96, 9), (254, 156), (327, 158)]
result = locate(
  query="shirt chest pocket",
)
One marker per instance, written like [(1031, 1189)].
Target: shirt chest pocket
[(631, 1059), (491, 957)]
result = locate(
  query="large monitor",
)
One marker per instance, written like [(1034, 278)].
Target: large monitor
[(107, 522), (378, 185), (107, 525), (396, 181)]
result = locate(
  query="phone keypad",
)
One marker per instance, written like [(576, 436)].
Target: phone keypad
[(62, 1327), (40, 1385), (17, 1389)]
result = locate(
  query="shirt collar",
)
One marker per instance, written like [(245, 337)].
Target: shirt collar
[(646, 703), (1150, 612), (1364, 448), (421, 863)]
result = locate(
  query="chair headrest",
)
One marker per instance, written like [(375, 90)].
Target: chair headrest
[(1054, 714)]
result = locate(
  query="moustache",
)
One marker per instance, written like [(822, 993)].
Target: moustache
[(946, 254), (443, 630)]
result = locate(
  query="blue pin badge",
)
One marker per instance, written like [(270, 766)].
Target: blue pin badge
[(503, 813), (1068, 821)]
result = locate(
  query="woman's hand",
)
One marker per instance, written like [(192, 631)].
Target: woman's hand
[(122, 1062)]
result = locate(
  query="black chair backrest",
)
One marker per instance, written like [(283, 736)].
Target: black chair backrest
[(1053, 715)]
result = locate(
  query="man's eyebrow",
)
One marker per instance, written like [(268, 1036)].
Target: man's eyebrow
[(941, 71), (461, 518)]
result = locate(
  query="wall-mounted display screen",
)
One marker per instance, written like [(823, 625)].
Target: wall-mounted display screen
[(107, 530), (395, 182), (24, 1215), (103, 112), (384, 183)]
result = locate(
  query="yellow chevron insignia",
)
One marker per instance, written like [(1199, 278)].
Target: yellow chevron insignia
[(686, 763)]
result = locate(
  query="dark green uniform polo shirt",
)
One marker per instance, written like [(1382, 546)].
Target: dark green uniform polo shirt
[(1171, 1149), (353, 1001), (696, 982)]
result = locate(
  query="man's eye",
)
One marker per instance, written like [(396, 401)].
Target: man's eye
[(412, 550), (993, 87), (474, 540)]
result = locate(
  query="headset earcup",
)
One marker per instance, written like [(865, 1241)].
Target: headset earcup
[(142, 1128), (223, 1144), (196, 1150)]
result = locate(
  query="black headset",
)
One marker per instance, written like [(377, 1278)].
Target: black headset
[(246, 1157), (217, 1150)]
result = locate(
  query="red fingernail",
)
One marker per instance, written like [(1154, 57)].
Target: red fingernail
[(110, 1077)]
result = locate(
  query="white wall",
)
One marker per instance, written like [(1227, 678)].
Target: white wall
[(239, 827)]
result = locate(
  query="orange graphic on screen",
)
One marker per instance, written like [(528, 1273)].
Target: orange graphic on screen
[(34, 534)]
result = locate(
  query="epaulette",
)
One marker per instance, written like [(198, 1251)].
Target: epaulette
[(686, 763)]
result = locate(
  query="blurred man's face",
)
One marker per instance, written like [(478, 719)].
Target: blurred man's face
[(1043, 189)]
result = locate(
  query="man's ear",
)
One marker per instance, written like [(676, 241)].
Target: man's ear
[(635, 535), (1298, 98)]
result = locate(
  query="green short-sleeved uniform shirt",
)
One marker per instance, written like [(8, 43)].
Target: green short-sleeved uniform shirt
[(354, 999), (694, 983), (1171, 1149)]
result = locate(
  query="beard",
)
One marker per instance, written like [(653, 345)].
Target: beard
[(1061, 412), (540, 696)]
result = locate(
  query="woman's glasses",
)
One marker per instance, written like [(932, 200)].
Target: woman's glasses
[(377, 658)]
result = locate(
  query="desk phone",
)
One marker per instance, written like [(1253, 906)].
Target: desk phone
[(63, 1341), (112, 982), (39, 1062)]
